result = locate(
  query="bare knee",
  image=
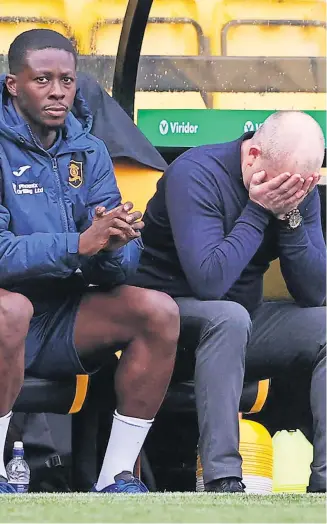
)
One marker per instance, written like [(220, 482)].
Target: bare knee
[(159, 314), (16, 312)]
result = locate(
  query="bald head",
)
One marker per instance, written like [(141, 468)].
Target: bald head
[(290, 141)]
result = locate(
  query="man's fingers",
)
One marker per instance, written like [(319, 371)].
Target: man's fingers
[(299, 194), (99, 211), (307, 184), (132, 217), (124, 229), (128, 206), (287, 189), (138, 225), (119, 212), (291, 182), (294, 199), (315, 181), (278, 180), (120, 224), (114, 232), (136, 234), (258, 178), (287, 193), (291, 192), (115, 212), (125, 235)]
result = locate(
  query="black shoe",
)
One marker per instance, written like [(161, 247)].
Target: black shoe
[(315, 490), (227, 485)]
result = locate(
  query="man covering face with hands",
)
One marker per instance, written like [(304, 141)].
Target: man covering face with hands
[(220, 215)]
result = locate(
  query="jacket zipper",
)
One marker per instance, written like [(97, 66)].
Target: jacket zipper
[(55, 171), (61, 203)]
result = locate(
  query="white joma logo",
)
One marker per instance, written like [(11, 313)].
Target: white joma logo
[(21, 170)]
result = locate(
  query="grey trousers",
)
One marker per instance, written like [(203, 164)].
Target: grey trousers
[(280, 340)]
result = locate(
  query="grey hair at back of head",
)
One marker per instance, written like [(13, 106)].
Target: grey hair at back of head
[(291, 138)]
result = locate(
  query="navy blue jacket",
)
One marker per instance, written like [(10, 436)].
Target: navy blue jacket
[(48, 199), (203, 237)]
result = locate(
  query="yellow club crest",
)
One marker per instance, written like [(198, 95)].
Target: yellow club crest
[(75, 174)]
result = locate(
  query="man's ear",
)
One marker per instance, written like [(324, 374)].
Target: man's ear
[(254, 153), (11, 84)]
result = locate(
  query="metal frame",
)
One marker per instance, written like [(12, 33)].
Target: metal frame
[(128, 55), (39, 20), (264, 22), (213, 74), (216, 74), (153, 20)]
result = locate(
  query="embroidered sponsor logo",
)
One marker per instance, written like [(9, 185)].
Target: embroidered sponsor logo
[(27, 189), (75, 174), (21, 170)]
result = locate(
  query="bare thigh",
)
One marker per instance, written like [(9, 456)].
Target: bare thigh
[(113, 318)]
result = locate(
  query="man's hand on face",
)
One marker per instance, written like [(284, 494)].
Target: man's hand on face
[(111, 230), (282, 193)]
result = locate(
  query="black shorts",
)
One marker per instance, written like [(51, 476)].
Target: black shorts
[(50, 351)]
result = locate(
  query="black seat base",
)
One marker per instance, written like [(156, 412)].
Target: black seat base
[(46, 396), (180, 397)]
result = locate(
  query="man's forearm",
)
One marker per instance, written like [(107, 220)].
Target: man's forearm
[(38, 254), (303, 264), (210, 277)]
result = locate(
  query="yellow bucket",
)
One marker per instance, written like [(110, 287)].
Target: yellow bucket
[(257, 453), (292, 458)]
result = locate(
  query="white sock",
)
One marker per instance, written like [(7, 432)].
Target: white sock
[(126, 440), (4, 424)]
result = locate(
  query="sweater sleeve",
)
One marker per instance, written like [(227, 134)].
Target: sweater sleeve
[(302, 254), (211, 261)]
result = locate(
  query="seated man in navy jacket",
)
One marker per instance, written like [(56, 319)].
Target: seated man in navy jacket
[(220, 215), (54, 242)]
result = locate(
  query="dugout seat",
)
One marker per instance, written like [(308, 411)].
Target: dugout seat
[(281, 28), (180, 397), (274, 287), (136, 182), (51, 396), (172, 30)]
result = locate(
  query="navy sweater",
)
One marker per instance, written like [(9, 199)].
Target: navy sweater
[(203, 237)]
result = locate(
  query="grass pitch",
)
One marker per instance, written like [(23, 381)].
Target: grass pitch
[(163, 507)]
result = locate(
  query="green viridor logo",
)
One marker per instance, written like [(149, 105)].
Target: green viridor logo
[(177, 128), (251, 126)]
